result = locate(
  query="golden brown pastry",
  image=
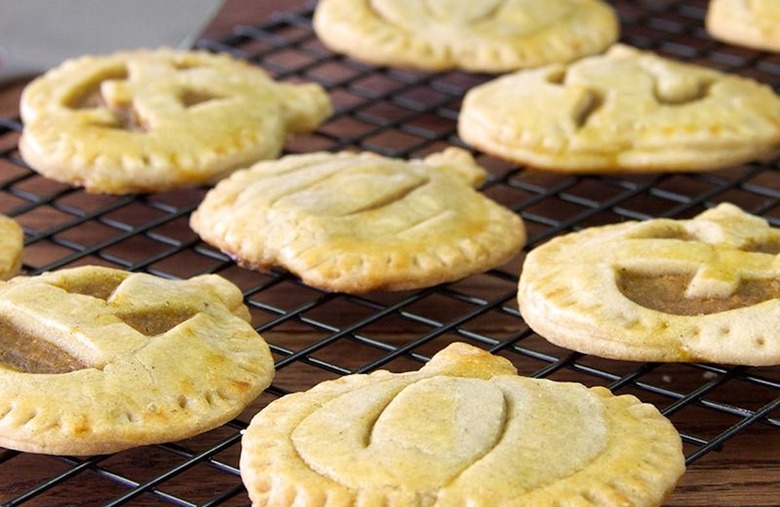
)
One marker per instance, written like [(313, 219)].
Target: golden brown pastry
[(627, 110), (481, 36), (95, 360), (155, 120), (463, 430), (355, 223), (704, 289)]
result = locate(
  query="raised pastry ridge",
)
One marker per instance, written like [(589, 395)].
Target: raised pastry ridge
[(96, 360), (484, 36), (627, 110), (701, 289), (463, 430), (155, 120), (360, 222)]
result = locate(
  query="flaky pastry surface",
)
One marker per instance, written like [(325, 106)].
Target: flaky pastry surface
[(626, 110), (96, 360), (703, 289), (483, 36), (463, 430), (155, 120), (355, 223)]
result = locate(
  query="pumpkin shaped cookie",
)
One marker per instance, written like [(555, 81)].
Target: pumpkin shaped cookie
[(355, 223), (463, 430), (704, 289), (627, 110), (96, 360), (482, 36), (155, 120)]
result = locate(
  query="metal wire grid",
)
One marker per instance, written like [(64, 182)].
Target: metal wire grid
[(316, 336)]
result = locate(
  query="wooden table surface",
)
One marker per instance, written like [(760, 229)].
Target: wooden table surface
[(744, 472)]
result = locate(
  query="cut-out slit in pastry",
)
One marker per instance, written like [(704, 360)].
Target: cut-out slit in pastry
[(107, 366), (191, 97), (145, 120), (667, 293), (634, 291), (88, 94), (771, 246), (97, 287), (653, 114), (156, 322), (556, 75), (23, 351), (591, 105), (127, 118)]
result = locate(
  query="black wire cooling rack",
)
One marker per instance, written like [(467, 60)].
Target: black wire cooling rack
[(317, 336)]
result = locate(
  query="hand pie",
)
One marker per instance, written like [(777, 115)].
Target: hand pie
[(155, 120), (96, 360), (480, 36), (751, 23), (355, 223), (463, 430), (11, 247), (704, 289), (627, 110)]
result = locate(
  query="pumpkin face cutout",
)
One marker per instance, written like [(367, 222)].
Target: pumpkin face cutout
[(155, 120), (626, 110), (704, 289), (95, 360)]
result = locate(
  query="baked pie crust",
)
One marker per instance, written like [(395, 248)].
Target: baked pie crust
[(704, 289), (463, 430), (155, 120), (95, 360), (356, 223), (480, 36), (627, 110)]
